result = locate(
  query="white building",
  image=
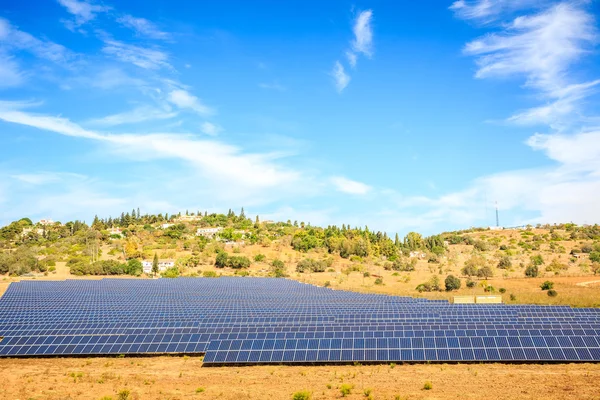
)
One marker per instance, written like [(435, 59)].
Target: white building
[(189, 218), (46, 221), (208, 232), (165, 226), (417, 254), (162, 265), (115, 231)]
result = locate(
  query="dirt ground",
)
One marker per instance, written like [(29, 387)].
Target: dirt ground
[(183, 378)]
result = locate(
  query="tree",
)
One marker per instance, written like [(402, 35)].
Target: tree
[(452, 283), (595, 256), (278, 268), (472, 265), (134, 267), (485, 272), (221, 260), (505, 262), (155, 264), (532, 271), (547, 285)]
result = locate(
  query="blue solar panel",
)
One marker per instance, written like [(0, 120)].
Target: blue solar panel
[(260, 320)]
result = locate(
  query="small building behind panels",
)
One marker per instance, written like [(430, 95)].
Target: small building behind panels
[(162, 265)]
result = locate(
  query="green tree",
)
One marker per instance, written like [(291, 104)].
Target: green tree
[(504, 262), (595, 256), (452, 283), (532, 271), (485, 272), (134, 267), (155, 264), (221, 260)]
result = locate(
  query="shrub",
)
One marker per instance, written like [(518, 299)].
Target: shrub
[(452, 283), (124, 395), (221, 260), (304, 395), (428, 385), (260, 258), (513, 297), (171, 273), (379, 281), (238, 262), (367, 392), (481, 245), (310, 265), (433, 284), (537, 260), (278, 268), (504, 262), (547, 285), (400, 265), (552, 293), (209, 274), (470, 284), (556, 266), (595, 256), (485, 272), (346, 389), (532, 271), (327, 284), (502, 290), (200, 390)]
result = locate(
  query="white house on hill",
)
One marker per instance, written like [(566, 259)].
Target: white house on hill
[(162, 265), (208, 232)]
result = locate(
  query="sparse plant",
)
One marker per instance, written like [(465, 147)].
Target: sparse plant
[(346, 389), (547, 285), (304, 395), (428, 385)]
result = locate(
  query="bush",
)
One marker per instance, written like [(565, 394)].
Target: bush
[(504, 262), (170, 273), (470, 284), (433, 284), (379, 281), (537, 260), (452, 283), (260, 258), (278, 269), (595, 256), (221, 260), (502, 290), (346, 389), (513, 297), (485, 272), (547, 285), (310, 265), (209, 274), (199, 390), (482, 246), (552, 293), (238, 262), (301, 396), (427, 386), (532, 271), (399, 265)]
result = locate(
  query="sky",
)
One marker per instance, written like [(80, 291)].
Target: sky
[(402, 116)]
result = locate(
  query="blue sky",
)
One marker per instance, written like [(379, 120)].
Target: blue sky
[(397, 115)]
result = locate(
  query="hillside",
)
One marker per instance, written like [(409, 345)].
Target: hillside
[(512, 262)]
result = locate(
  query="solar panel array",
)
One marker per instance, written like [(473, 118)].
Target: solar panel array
[(268, 320)]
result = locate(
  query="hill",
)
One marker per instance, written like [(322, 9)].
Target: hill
[(512, 262)]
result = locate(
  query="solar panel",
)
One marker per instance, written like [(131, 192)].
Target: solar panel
[(268, 320)]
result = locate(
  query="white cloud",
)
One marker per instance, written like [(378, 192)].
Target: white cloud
[(363, 33), (10, 74), (541, 47), (217, 162), (141, 56), (211, 129), (142, 27), (272, 86), (183, 99), (340, 77), (137, 115), (489, 10), (16, 40), (351, 58), (44, 178), (83, 11), (349, 186)]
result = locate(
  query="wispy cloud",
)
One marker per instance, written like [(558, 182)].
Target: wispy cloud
[(211, 129), (272, 86), (184, 100), (541, 47), (137, 115), (143, 27), (82, 10), (143, 57), (14, 39), (10, 73), (489, 10), (44, 178), (363, 33), (341, 78), (215, 161), (352, 58), (349, 186)]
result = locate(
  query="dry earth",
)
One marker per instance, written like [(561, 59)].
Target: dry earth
[(183, 378)]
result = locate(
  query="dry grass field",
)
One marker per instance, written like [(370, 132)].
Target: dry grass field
[(172, 378)]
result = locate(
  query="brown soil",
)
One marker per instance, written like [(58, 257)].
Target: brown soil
[(183, 378)]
